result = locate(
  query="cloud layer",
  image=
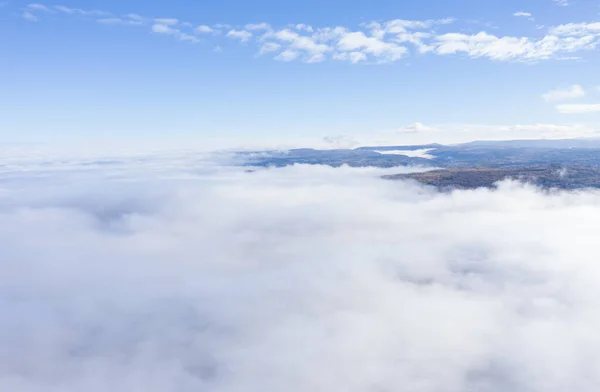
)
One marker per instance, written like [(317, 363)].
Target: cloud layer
[(164, 273), (376, 42)]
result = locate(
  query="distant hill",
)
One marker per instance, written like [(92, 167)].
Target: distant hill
[(491, 154), (552, 143), (548, 176)]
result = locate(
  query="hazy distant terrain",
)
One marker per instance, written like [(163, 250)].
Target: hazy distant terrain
[(519, 153), (564, 164), (550, 176)]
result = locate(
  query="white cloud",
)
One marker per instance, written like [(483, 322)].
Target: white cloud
[(79, 11), (38, 7), (242, 35), (204, 29), (178, 34), (287, 55), (30, 17), (315, 58), (573, 92), (296, 42), (353, 57), (163, 29), (135, 17), (390, 41), (304, 27), (399, 26), (167, 21), (522, 14), (562, 3), (269, 47), (353, 41), (511, 48), (576, 29), (149, 275), (578, 108), (258, 26), (119, 21), (188, 37)]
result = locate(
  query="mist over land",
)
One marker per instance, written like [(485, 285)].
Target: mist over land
[(187, 272)]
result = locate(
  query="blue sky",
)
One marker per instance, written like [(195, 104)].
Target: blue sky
[(292, 70)]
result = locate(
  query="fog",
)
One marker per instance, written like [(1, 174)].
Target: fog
[(184, 273)]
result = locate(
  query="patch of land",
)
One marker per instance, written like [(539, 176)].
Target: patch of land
[(546, 176)]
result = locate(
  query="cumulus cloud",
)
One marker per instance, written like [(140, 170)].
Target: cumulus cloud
[(382, 42), (353, 57), (287, 55), (508, 48), (204, 29), (572, 92), (163, 29), (168, 30), (159, 274), (242, 35), (352, 41), (577, 30), (269, 47), (296, 43)]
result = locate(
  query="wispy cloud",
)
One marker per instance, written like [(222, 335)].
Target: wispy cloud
[(79, 11), (167, 21), (29, 16), (258, 26), (578, 108), (166, 29), (522, 14), (119, 21), (38, 7), (375, 42), (269, 47)]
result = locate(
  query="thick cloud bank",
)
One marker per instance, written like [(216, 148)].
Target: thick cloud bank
[(175, 274)]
